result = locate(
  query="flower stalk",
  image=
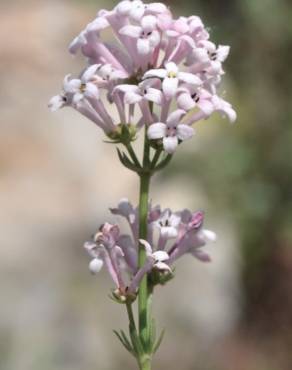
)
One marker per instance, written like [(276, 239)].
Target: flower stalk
[(143, 226), (143, 298)]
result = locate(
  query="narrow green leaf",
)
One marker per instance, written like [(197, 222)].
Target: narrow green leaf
[(137, 345), (163, 163), (126, 161), (125, 343), (157, 345), (152, 333), (126, 340)]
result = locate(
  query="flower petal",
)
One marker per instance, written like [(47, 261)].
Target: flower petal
[(175, 117), (131, 31), (169, 86), (171, 67), (91, 91), (127, 88), (100, 23), (124, 7), (185, 101), (89, 73), (154, 39), (184, 132), (222, 52), (189, 78), (147, 247), (160, 256), (231, 114), (156, 8), (57, 102), (170, 143), (77, 97), (156, 131), (137, 10), (206, 106), (200, 255), (95, 265), (143, 46), (208, 235), (76, 44), (160, 73), (168, 232), (162, 266), (72, 86), (148, 23), (132, 98), (154, 95)]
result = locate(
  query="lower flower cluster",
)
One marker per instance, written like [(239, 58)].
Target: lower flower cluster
[(170, 236)]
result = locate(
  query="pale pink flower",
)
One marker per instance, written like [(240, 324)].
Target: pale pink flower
[(172, 132), (224, 108), (186, 26), (137, 9), (84, 87), (190, 97), (57, 102), (154, 61), (191, 238), (155, 260), (144, 91), (171, 77), (104, 251), (98, 25), (158, 258), (147, 34), (168, 224)]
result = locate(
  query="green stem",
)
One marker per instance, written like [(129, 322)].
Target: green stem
[(133, 154), (143, 289), (156, 158), (131, 316), (143, 304), (145, 364)]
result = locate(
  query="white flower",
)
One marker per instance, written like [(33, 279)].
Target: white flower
[(125, 209), (224, 108), (78, 42), (95, 265), (190, 97), (157, 258), (83, 87), (135, 94), (57, 102), (168, 224), (171, 77), (147, 35), (136, 9), (172, 132), (207, 235)]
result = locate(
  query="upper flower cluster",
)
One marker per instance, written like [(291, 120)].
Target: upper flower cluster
[(167, 67), (170, 236)]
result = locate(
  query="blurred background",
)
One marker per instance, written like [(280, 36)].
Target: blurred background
[(57, 180)]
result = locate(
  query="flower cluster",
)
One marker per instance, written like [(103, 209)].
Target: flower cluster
[(170, 236), (166, 69)]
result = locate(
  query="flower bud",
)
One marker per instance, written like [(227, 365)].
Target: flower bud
[(95, 266)]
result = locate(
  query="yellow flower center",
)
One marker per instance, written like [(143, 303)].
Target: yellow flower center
[(82, 88), (171, 74)]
